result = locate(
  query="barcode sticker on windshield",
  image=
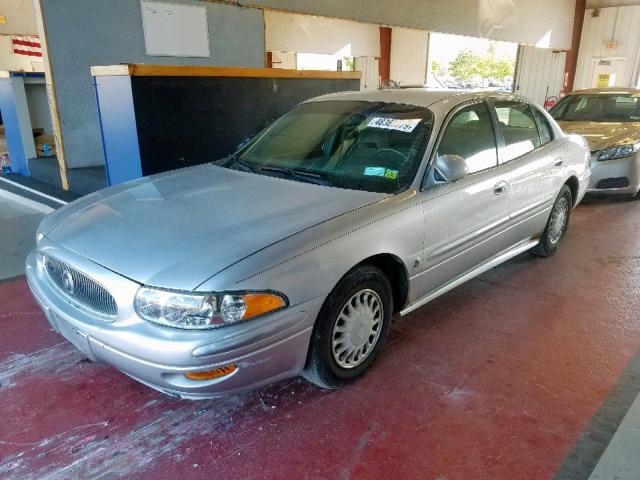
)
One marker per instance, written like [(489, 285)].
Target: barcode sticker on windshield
[(406, 125)]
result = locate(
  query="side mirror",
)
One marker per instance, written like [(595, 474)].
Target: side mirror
[(451, 167)]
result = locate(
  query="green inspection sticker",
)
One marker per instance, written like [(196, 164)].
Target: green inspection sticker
[(391, 174)]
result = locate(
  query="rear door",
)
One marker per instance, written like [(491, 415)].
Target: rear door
[(465, 219), (533, 163)]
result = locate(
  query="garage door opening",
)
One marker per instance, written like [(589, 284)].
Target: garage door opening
[(306, 42), (457, 61)]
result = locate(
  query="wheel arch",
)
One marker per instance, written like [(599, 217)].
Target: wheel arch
[(396, 272), (574, 185)]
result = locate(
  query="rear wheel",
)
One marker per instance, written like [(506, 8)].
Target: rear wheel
[(557, 224), (350, 329)]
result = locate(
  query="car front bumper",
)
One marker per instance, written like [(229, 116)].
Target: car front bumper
[(264, 350), (605, 175)]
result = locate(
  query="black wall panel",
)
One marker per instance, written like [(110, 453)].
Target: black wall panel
[(183, 121)]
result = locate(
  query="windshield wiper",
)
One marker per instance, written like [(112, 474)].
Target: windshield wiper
[(302, 175), (234, 159)]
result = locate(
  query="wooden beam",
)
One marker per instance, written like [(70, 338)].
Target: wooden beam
[(112, 70), (194, 71), (53, 100)]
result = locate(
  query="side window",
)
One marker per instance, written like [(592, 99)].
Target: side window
[(519, 129), (544, 128), (470, 137)]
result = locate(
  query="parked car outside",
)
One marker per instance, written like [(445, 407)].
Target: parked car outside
[(290, 256), (609, 118)]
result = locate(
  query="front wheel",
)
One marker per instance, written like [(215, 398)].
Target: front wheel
[(350, 329), (557, 224)]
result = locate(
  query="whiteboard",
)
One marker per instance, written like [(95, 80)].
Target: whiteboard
[(175, 30)]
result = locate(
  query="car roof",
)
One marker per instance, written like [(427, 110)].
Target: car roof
[(606, 91), (421, 97)]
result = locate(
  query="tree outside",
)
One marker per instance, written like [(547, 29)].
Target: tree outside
[(467, 65)]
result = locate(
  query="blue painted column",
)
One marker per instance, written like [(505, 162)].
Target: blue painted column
[(118, 128), (17, 125)]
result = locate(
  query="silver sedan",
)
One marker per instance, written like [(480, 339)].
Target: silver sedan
[(290, 256)]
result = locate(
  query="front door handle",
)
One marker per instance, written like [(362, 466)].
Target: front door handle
[(558, 162), (500, 187)]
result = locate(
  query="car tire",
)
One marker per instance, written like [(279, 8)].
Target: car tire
[(557, 224), (355, 317)]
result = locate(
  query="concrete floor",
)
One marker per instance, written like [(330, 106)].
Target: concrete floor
[(620, 459), (524, 372), (19, 218)]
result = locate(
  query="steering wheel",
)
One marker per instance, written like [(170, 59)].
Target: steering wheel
[(396, 152)]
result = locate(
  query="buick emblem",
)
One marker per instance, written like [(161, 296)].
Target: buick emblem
[(67, 282)]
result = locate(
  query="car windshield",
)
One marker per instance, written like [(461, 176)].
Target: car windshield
[(610, 107), (372, 146)]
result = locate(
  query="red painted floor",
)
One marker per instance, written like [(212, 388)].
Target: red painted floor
[(495, 380)]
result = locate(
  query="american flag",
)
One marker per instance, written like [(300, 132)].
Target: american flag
[(29, 46)]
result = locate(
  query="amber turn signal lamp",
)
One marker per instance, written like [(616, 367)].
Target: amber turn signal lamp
[(261, 303), (211, 374)]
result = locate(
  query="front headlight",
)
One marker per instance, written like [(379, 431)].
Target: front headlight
[(618, 151), (203, 310)]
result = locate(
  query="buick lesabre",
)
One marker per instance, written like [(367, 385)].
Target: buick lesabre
[(290, 256)]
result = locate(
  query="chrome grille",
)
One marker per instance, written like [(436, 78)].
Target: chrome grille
[(80, 288)]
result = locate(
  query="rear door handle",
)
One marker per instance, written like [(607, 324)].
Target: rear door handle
[(500, 187)]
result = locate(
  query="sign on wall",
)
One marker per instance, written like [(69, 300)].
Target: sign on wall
[(603, 80), (608, 72), (175, 30)]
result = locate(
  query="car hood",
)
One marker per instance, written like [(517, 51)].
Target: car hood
[(601, 135), (176, 230)]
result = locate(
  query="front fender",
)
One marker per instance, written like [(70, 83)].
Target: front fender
[(310, 264)]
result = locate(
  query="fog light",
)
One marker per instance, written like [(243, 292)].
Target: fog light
[(211, 374)]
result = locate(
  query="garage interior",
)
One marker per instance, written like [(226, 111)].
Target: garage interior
[(531, 370)]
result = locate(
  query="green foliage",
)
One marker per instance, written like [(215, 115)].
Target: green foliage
[(465, 65), (435, 66), (348, 64), (503, 68), (468, 65)]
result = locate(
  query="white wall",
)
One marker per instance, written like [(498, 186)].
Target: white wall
[(409, 56), (11, 61), (618, 24), (286, 32), (20, 17), (284, 60), (540, 73), (611, 3), (370, 72), (546, 23)]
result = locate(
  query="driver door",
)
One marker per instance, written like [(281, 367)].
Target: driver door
[(464, 219)]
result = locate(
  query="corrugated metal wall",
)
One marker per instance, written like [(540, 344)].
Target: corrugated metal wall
[(540, 73), (409, 56), (614, 24), (370, 72)]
